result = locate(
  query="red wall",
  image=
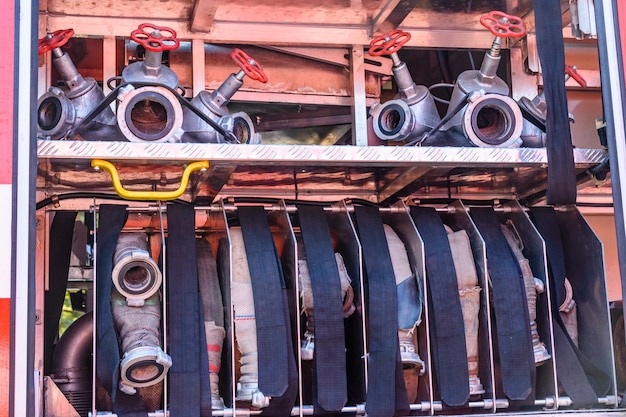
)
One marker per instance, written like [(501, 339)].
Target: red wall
[(7, 70)]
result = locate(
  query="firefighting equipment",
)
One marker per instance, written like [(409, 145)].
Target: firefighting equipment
[(533, 287), (347, 294), (213, 314), (447, 326), (386, 393), (136, 275), (213, 105), (143, 362), (469, 296), (490, 118), (148, 110), (61, 109), (245, 324), (568, 313), (513, 326), (412, 112), (409, 301)]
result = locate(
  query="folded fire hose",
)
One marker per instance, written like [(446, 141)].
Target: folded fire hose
[(323, 289), (277, 374), (61, 232), (578, 375), (409, 302), (245, 325), (509, 299), (447, 324), (213, 312), (189, 374), (386, 393), (561, 187), (136, 308), (469, 296), (111, 221), (532, 285)]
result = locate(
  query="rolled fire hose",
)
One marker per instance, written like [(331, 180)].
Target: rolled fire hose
[(532, 285), (307, 347), (409, 302), (136, 308), (469, 295), (245, 325), (567, 310), (143, 363), (136, 275), (210, 293)]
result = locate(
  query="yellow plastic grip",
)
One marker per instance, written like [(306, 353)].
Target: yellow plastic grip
[(148, 195)]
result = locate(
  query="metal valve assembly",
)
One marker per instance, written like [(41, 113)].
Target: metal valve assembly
[(480, 111), (535, 109), (490, 118), (214, 106), (62, 108), (150, 107), (413, 112)]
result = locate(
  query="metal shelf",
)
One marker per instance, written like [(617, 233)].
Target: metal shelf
[(323, 173)]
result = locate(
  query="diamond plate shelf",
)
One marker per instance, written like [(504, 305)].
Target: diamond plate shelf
[(322, 173)]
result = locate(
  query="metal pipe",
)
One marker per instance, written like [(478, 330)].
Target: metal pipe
[(71, 363)]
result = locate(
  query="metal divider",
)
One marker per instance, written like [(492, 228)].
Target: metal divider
[(285, 240), (211, 225), (534, 249), (160, 240), (585, 269), (94, 343), (402, 223), (455, 216), (347, 244), (151, 221), (225, 269)]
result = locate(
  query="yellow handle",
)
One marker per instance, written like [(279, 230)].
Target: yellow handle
[(148, 195)]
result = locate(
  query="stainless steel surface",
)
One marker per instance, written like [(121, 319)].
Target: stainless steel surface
[(55, 403), (359, 410), (60, 109), (402, 223), (411, 114), (328, 173), (535, 251), (584, 268)]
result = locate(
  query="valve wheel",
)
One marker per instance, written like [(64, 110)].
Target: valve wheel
[(54, 40), (249, 66), (389, 43), (503, 25), (573, 73), (155, 38)]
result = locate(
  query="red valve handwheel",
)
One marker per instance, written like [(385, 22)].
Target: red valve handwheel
[(389, 43), (249, 66), (571, 71), (153, 39), (55, 39), (503, 25)]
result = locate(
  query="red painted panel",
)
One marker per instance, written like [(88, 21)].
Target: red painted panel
[(621, 20), (7, 68), (5, 330)]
